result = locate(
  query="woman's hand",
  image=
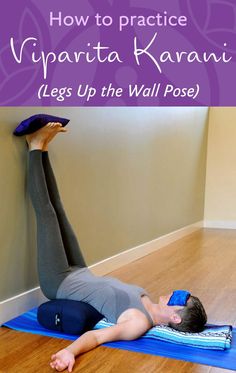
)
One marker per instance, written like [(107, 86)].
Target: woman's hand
[(62, 360), (130, 326)]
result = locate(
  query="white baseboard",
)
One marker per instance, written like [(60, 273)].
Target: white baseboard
[(220, 224), (128, 256), (13, 307)]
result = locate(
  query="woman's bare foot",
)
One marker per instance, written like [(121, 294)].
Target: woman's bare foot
[(57, 128), (40, 139)]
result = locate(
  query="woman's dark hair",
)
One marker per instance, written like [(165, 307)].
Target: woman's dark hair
[(193, 317)]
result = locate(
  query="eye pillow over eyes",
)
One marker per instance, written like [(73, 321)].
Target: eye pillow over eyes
[(179, 298)]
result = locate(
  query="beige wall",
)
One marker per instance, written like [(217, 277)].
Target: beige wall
[(126, 175), (220, 202)]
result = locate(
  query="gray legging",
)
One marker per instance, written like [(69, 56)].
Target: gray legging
[(58, 248)]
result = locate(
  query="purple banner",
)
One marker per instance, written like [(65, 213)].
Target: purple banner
[(118, 53)]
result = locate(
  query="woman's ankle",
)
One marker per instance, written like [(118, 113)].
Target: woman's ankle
[(35, 145)]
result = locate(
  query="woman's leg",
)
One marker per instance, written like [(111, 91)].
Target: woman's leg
[(53, 266), (71, 245)]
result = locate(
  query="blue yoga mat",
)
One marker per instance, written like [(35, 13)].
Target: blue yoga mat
[(222, 359)]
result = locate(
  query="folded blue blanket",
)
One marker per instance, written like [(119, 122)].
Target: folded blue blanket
[(213, 337)]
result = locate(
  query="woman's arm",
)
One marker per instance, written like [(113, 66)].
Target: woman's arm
[(129, 329)]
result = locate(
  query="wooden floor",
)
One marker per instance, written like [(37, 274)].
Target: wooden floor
[(203, 262)]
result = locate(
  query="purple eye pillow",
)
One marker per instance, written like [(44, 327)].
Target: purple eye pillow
[(36, 122)]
